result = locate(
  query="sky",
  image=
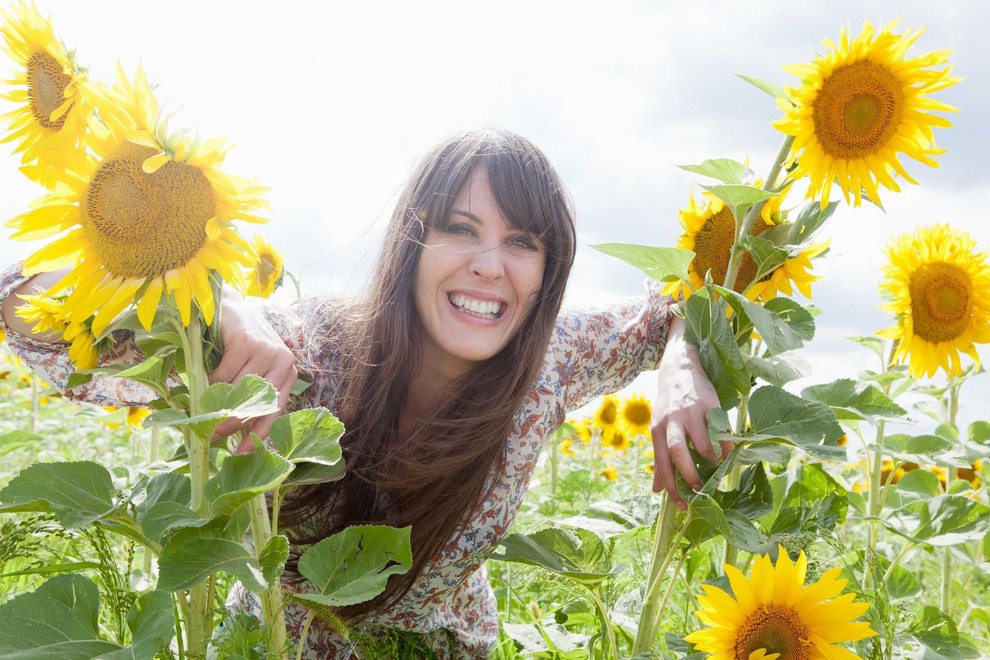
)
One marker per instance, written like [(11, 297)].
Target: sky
[(331, 104)]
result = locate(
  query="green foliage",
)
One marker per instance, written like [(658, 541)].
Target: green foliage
[(662, 264)]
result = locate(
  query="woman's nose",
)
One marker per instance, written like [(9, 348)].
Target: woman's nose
[(488, 264)]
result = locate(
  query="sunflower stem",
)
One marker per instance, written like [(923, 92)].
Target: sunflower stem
[(950, 476), (612, 651), (665, 541), (199, 628), (875, 501), (272, 603)]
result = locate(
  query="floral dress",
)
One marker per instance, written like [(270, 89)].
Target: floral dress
[(451, 605)]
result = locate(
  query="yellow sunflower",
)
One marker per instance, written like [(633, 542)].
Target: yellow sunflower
[(265, 274), (709, 231), (566, 447), (50, 89), (939, 288), (147, 214), (47, 314), (582, 428), (775, 613), (607, 416), (859, 107), (616, 440), (635, 415), (609, 474)]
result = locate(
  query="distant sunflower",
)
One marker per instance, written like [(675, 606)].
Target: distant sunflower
[(939, 288), (607, 416), (609, 474), (859, 107), (616, 440), (709, 232), (774, 613), (635, 415), (146, 215), (265, 275), (582, 428), (567, 447), (50, 89)]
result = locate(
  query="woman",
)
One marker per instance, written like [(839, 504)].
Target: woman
[(448, 375)]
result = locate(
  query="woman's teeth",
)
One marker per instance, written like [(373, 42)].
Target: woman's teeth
[(485, 309)]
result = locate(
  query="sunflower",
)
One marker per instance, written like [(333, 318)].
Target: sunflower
[(582, 428), (607, 416), (51, 90), (616, 440), (635, 415), (709, 232), (859, 107), (47, 314), (775, 613), (266, 273), (147, 215), (566, 447), (939, 288), (609, 474)]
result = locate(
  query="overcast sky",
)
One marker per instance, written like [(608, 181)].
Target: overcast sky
[(331, 104)]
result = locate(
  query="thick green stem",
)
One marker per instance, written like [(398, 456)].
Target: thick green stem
[(606, 624), (950, 476), (665, 541), (199, 628), (272, 603)]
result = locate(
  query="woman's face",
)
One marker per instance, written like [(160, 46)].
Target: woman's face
[(476, 281)]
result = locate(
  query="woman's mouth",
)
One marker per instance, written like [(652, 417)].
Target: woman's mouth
[(483, 309)]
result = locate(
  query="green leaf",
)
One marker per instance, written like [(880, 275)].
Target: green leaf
[(193, 553), (273, 557), (576, 554), (979, 432), (709, 329), (608, 519), (801, 319), (903, 583), (799, 231), (922, 483), (767, 257), (707, 520), (779, 415), (777, 331), (78, 492), (310, 435), (252, 396), (166, 487), (153, 372), (242, 477), (940, 521), (72, 601), (353, 566), (723, 169), (753, 498), (773, 90), (739, 198), (164, 517), (151, 620), (661, 264), (855, 400), (778, 369)]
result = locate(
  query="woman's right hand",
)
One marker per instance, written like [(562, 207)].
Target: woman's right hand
[(251, 346)]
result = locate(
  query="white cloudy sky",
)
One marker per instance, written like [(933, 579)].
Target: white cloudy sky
[(330, 104)]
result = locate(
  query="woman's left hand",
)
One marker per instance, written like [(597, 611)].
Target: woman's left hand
[(684, 397)]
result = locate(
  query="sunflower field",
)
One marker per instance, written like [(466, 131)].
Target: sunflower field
[(821, 534)]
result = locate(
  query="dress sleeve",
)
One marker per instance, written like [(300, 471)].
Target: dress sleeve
[(601, 350)]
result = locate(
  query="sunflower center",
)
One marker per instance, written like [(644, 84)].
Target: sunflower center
[(940, 301), (775, 629), (637, 413), (608, 413), (46, 82), (858, 109), (144, 225), (713, 245)]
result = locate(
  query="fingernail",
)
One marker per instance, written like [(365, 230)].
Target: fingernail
[(681, 505), (696, 487)]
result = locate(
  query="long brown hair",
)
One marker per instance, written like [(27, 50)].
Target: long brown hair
[(434, 477)]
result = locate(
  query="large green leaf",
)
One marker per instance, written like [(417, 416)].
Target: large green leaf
[(310, 440), (855, 400), (242, 477), (576, 554), (608, 519), (707, 520), (353, 566), (752, 498), (779, 415), (165, 517), (153, 372), (661, 264), (57, 621), (165, 487), (778, 369), (193, 553), (766, 256), (780, 332), (151, 620), (801, 229), (78, 492), (708, 328), (252, 396), (273, 557), (723, 169)]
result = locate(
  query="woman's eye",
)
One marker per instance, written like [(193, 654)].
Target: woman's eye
[(523, 242), (460, 230)]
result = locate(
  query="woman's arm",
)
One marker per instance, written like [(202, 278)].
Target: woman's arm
[(684, 397)]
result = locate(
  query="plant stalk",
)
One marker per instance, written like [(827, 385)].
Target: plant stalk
[(665, 541), (272, 603)]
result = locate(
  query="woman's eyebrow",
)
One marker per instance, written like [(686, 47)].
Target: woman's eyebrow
[(466, 214)]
